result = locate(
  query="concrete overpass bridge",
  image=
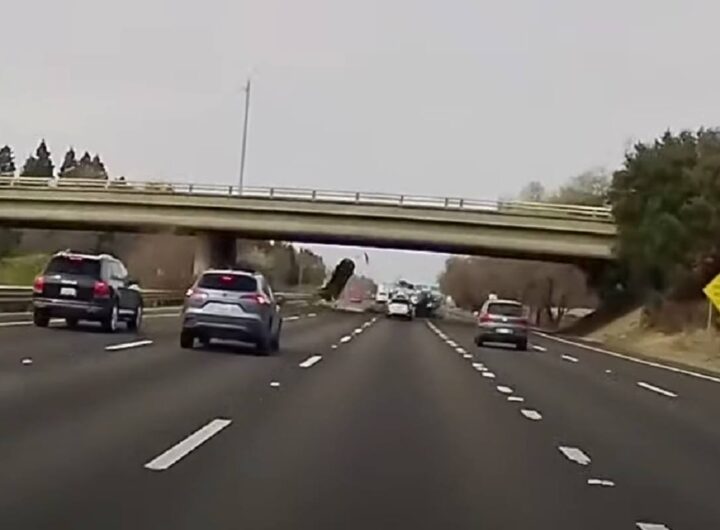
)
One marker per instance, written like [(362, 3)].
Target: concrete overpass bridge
[(220, 214)]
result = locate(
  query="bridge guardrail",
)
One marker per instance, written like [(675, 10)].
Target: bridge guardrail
[(314, 195), (21, 295)]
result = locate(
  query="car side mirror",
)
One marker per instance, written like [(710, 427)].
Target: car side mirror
[(132, 282), (279, 299)]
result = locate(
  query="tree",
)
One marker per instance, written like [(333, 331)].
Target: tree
[(7, 162), (69, 164), (587, 189), (533, 192), (99, 167), (40, 165), (666, 202)]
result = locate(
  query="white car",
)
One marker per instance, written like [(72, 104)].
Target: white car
[(400, 307)]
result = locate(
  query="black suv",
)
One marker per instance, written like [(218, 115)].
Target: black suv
[(95, 287)]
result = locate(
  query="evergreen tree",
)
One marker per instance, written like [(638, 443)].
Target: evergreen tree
[(44, 166), (69, 164), (7, 161), (30, 167), (99, 168)]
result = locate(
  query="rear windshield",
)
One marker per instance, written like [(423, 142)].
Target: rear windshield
[(506, 310), (399, 301), (74, 265), (228, 282)]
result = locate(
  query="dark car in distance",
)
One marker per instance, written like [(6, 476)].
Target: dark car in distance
[(93, 287)]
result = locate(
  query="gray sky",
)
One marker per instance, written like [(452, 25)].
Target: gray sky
[(461, 97)]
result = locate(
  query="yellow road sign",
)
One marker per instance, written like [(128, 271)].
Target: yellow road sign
[(712, 291)]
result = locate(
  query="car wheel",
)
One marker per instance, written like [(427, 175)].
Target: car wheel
[(187, 340), (263, 345), (136, 322), (110, 324), (522, 345), (71, 322), (41, 319), (275, 342)]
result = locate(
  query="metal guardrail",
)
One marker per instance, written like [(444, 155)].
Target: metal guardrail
[(21, 295), (312, 195)]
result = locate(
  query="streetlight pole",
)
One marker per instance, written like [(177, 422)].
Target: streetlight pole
[(244, 136)]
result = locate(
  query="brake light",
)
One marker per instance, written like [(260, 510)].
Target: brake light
[(196, 297), (101, 290), (258, 298), (39, 285), (485, 317)]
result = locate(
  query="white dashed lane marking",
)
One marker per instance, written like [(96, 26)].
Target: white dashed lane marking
[(575, 455), (489, 375), (539, 348), (657, 389), (569, 358), (346, 338), (128, 345), (275, 384), (601, 482), (531, 414), (307, 363), (516, 399), (504, 389), (652, 526), (186, 446), (291, 319)]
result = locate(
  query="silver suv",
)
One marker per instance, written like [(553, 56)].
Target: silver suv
[(503, 321), (234, 305)]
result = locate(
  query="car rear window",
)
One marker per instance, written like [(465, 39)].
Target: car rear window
[(506, 310), (228, 282), (399, 301), (77, 266)]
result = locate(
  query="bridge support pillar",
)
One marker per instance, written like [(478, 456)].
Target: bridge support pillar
[(214, 249)]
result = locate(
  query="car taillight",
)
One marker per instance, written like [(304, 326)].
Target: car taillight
[(196, 297), (39, 285), (523, 321), (101, 290), (257, 298), (485, 317)]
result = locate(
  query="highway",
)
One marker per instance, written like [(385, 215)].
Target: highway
[(358, 423)]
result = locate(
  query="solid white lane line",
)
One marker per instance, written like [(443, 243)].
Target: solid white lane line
[(292, 318), (186, 446), (531, 414), (657, 389), (634, 359), (574, 454), (652, 526), (346, 338), (489, 375), (538, 348), (307, 363), (504, 389), (516, 399), (128, 345), (569, 358), (600, 482)]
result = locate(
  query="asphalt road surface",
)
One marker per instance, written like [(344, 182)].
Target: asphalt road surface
[(358, 423)]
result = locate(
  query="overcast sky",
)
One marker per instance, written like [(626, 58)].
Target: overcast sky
[(460, 97)]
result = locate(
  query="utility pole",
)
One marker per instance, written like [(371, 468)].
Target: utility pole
[(244, 136)]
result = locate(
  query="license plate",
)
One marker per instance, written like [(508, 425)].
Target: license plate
[(223, 309), (504, 331), (68, 291)]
